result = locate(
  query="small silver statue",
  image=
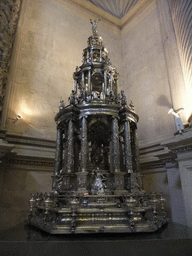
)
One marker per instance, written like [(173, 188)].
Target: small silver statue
[(94, 25), (61, 105), (98, 186)]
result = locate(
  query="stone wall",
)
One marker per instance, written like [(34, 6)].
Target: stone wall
[(181, 13), (50, 39), (149, 75), (153, 80)]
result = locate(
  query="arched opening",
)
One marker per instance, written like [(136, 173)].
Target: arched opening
[(98, 143)]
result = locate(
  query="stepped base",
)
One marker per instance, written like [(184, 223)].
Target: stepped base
[(96, 228), (97, 214)]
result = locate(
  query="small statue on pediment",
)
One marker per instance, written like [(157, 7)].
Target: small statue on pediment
[(94, 25), (77, 69), (132, 107), (119, 98), (73, 98), (95, 95), (61, 105), (102, 95), (58, 184), (111, 95), (123, 98), (98, 187)]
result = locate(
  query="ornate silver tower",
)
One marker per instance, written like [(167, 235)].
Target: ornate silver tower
[(96, 181)]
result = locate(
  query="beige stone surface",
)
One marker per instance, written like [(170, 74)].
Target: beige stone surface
[(185, 168), (145, 79), (16, 187), (49, 42), (181, 14)]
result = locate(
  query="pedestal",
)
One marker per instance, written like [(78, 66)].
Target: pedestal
[(119, 183), (82, 183)]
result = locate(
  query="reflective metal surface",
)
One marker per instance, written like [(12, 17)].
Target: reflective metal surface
[(96, 182)]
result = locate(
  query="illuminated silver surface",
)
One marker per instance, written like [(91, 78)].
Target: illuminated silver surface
[(96, 182)]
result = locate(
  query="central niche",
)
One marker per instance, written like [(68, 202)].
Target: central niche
[(99, 142), (97, 80)]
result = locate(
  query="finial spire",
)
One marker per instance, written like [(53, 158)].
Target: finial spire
[(94, 25)]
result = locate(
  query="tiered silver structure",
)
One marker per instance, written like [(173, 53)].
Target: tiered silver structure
[(96, 182)]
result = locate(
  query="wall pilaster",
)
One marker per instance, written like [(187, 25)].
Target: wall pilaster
[(172, 59)]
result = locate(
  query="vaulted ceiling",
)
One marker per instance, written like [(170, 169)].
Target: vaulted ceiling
[(117, 8), (118, 12)]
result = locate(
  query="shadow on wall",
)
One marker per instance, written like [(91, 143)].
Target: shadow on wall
[(163, 102), (178, 183), (165, 180)]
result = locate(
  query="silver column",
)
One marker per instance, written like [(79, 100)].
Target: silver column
[(70, 153), (59, 152), (128, 153), (100, 54), (105, 82), (75, 85), (89, 81), (115, 140), (82, 174), (111, 81), (136, 150), (84, 144), (82, 81), (87, 56)]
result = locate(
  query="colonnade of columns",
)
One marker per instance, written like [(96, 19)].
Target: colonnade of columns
[(70, 147), (84, 144), (127, 147), (59, 152), (129, 152), (106, 84)]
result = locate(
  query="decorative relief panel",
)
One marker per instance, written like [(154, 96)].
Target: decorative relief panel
[(9, 12)]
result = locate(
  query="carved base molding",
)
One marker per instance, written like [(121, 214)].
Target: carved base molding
[(28, 163), (29, 141), (182, 143), (154, 158), (26, 153)]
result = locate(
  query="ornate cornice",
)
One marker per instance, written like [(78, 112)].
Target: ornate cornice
[(29, 141), (155, 158), (183, 149), (152, 165), (159, 164), (28, 153), (181, 143), (28, 163)]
